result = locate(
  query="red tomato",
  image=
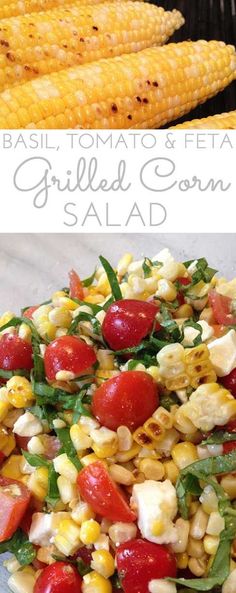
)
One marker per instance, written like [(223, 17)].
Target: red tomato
[(85, 554), (222, 308), (76, 286), (26, 520), (14, 500), (2, 457), (15, 353), (58, 577), (68, 353), (184, 281), (231, 426), (127, 399), (140, 561), (98, 489), (228, 447), (229, 382), (29, 312), (219, 330), (127, 322), (22, 442)]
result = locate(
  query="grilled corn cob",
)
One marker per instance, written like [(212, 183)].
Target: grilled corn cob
[(142, 90), (64, 37), (222, 121), (17, 7)]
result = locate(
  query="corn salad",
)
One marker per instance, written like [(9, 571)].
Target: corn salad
[(117, 434)]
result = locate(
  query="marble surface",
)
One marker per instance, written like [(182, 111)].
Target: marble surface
[(33, 266)]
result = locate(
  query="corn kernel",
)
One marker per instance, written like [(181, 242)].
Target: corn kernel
[(102, 452), (6, 317), (106, 359), (125, 438), (166, 290), (91, 458), (103, 563), (67, 539), (211, 544), (4, 409), (123, 264), (25, 332), (60, 317), (19, 392), (67, 490), (171, 471), (154, 372), (96, 583), (228, 483), (154, 429), (79, 438), (157, 528), (182, 560), (90, 532), (35, 446), (124, 456), (11, 468), (184, 312), (82, 512), (120, 533), (9, 446), (216, 524), (65, 467), (38, 483), (152, 469), (184, 454)]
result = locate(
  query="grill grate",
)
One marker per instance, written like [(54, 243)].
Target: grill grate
[(207, 19)]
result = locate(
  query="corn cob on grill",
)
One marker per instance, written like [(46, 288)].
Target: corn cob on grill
[(19, 7), (64, 37), (142, 90), (222, 121)]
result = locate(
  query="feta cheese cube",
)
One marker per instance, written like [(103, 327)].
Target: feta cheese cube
[(223, 353), (44, 527), (28, 425), (156, 504)]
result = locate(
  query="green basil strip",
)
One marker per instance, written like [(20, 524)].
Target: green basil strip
[(94, 308), (96, 325), (88, 281), (53, 495), (79, 408), (20, 546), (147, 267), (35, 460), (112, 279), (218, 437), (68, 447), (9, 374)]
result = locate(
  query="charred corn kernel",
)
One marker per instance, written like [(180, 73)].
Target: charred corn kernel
[(79, 438), (124, 456), (103, 563), (90, 532), (4, 409), (152, 469), (163, 417), (24, 332), (125, 438), (184, 311), (19, 392), (38, 483), (182, 560), (106, 359), (65, 467), (67, 539), (9, 446), (154, 112), (198, 524), (67, 490), (171, 471), (123, 264), (157, 528), (121, 475), (82, 512), (211, 544), (184, 454), (35, 446), (166, 290), (228, 483), (154, 429), (22, 581), (216, 524), (142, 438), (222, 121), (198, 566), (195, 548), (120, 533), (11, 468), (182, 528), (60, 317), (96, 583)]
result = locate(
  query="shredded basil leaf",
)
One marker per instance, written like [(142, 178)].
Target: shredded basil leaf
[(19, 372), (96, 325), (147, 267), (82, 567), (218, 437), (20, 546), (203, 272), (35, 460), (88, 281), (53, 495), (68, 447), (112, 279)]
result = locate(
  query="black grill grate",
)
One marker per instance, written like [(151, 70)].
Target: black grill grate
[(207, 19)]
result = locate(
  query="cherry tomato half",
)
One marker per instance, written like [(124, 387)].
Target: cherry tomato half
[(229, 382), (222, 308), (76, 286), (15, 353), (127, 399), (231, 426), (228, 447), (29, 312), (57, 578), (180, 296), (127, 322), (98, 489), (14, 500), (140, 561), (68, 353)]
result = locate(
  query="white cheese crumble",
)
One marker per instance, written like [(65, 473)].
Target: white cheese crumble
[(223, 353), (156, 504)]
